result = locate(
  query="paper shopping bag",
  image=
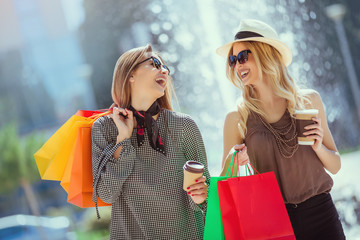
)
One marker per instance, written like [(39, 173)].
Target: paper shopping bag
[(85, 119), (77, 177), (260, 207), (213, 223), (228, 211), (80, 189), (56, 158), (53, 156)]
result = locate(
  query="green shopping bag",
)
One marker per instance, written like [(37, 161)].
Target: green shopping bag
[(213, 224)]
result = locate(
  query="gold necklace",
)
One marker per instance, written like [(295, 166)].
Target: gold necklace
[(287, 150)]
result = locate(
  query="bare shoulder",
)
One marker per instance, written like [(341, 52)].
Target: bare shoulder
[(231, 127), (232, 117), (231, 134), (313, 96)]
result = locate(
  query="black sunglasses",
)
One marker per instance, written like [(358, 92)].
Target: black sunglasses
[(242, 58), (156, 63)]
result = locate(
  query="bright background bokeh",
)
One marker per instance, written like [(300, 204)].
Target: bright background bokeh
[(58, 56)]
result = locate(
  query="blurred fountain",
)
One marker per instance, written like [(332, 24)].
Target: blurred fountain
[(336, 13)]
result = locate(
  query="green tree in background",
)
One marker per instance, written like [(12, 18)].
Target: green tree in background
[(17, 164)]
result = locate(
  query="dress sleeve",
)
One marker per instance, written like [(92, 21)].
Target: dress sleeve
[(109, 173), (194, 149)]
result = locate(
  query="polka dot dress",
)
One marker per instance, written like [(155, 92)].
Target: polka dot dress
[(145, 185)]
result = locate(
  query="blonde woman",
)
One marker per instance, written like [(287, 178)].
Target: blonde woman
[(139, 151), (263, 130)]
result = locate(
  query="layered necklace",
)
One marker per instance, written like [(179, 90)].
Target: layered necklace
[(285, 136)]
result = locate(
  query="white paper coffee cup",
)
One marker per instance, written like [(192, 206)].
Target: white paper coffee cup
[(192, 171), (304, 118)]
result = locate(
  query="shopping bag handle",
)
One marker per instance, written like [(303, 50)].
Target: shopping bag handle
[(247, 170), (236, 157), (232, 164), (251, 167), (96, 116)]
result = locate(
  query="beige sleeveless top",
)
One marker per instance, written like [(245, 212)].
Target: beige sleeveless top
[(300, 177)]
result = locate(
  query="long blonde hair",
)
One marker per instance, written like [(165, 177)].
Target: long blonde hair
[(269, 62), (125, 65)]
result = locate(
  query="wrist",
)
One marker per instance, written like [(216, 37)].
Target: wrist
[(320, 149), (120, 139)]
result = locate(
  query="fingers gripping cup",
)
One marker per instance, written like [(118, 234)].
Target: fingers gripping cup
[(303, 119), (192, 171)]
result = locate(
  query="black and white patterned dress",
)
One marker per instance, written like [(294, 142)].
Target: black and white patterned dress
[(144, 185)]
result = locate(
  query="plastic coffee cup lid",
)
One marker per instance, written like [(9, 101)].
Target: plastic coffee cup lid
[(194, 167)]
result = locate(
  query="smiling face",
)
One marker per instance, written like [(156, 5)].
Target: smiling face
[(148, 82), (127, 79), (248, 71)]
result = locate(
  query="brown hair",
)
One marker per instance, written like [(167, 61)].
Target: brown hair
[(125, 65)]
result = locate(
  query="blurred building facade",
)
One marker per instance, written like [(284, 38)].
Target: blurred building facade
[(44, 78)]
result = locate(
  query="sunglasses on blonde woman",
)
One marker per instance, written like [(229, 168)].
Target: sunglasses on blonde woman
[(242, 58), (156, 63)]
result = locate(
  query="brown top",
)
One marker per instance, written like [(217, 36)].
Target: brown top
[(300, 177)]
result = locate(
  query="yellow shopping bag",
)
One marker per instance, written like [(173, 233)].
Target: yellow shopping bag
[(53, 157)]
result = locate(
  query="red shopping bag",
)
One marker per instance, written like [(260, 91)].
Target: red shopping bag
[(260, 209), (227, 206)]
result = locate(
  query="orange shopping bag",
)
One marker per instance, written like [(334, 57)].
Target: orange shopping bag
[(85, 118), (71, 146), (80, 188)]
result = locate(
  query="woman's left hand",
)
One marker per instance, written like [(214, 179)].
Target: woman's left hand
[(198, 191), (316, 132)]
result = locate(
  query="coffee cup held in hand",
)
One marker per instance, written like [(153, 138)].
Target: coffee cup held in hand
[(192, 171), (303, 119)]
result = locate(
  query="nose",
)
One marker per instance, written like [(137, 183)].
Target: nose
[(164, 70), (238, 65)]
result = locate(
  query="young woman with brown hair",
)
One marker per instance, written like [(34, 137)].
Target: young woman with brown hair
[(139, 151)]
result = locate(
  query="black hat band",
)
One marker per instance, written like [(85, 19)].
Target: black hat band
[(246, 34)]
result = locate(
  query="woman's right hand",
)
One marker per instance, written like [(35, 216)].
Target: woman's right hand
[(125, 124), (243, 157)]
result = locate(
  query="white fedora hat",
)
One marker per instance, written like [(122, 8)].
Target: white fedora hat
[(255, 30)]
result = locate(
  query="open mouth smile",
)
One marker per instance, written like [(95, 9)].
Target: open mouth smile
[(161, 82), (243, 74)]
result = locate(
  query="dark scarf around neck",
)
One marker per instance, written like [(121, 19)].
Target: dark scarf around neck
[(144, 120)]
